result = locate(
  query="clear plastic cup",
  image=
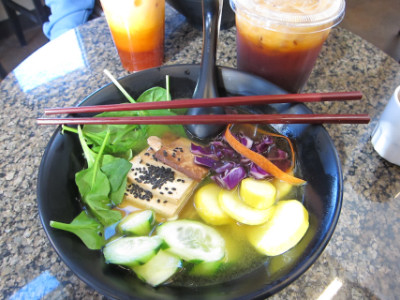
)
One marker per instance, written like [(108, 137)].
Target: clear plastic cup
[(280, 40), (137, 28)]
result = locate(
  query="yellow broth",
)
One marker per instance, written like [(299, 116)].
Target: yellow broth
[(241, 258)]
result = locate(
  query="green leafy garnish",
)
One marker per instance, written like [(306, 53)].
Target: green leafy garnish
[(107, 150), (116, 170), (94, 187), (88, 229)]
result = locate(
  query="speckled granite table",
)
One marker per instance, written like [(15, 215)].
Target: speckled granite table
[(362, 260)]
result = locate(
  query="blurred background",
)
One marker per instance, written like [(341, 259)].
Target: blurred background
[(377, 21)]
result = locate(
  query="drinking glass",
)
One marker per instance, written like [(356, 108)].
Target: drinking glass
[(280, 40), (137, 28)]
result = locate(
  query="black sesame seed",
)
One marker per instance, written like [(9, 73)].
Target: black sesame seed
[(156, 176), (165, 153), (139, 193), (169, 193)]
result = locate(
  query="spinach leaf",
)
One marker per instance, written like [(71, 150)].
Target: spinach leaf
[(88, 229), (122, 137), (127, 140), (94, 187), (90, 155), (154, 94), (95, 195), (100, 207), (116, 169), (159, 94)]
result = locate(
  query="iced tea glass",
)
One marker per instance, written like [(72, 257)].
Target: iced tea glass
[(137, 28), (280, 40)]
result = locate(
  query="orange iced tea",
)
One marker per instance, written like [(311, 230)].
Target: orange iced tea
[(281, 40), (137, 28)]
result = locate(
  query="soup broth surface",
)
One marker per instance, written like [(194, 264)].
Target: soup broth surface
[(241, 258)]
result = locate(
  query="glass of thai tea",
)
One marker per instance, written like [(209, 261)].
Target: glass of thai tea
[(137, 28), (280, 40)]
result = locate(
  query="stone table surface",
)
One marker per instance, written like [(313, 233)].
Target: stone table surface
[(362, 260)]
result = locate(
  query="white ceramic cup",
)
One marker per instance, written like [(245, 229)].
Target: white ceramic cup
[(386, 136)]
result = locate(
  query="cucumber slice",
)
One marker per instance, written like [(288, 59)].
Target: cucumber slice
[(137, 223), (192, 241), (159, 268), (240, 211), (132, 251), (207, 268)]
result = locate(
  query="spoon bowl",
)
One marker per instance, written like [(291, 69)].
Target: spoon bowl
[(207, 83)]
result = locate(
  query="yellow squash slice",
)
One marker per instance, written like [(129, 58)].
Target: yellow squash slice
[(259, 194), (231, 203), (283, 231), (206, 202)]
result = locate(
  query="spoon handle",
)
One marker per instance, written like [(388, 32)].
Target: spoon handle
[(207, 83)]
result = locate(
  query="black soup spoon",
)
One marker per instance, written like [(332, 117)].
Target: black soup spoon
[(207, 83)]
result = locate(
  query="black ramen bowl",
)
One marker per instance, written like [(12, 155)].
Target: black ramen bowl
[(318, 162), (192, 10)]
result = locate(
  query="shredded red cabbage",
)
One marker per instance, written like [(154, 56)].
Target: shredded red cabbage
[(228, 167)]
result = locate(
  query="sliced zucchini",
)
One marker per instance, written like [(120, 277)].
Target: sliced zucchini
[(132, 251), (206, 202), (192, 241), (238, 210), (137, 223), (286, 228), (159, 268)]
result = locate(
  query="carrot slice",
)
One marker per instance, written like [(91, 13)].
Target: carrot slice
[(260, 160)]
